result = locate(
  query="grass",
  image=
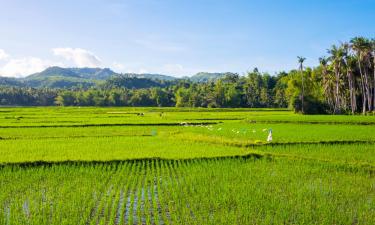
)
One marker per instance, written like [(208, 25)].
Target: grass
[(284, 133), (345, 153), (108, 149), (184, 166), (231, 191)]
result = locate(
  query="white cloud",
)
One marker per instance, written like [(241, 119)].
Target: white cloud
[(80, 57), (19, 67), (24, 66), (3, 55)]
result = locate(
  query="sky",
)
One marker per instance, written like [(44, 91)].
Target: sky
[(175, 37)]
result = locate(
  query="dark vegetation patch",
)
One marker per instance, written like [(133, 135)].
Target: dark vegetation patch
[(220, 110), (250, 156), (75, 137), (335, 142), (114, 125)]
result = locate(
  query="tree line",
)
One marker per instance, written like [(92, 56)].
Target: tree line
[(346, 76), (343, 82), (254, 90)]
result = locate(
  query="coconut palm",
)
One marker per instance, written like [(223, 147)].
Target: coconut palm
[(337, 58), (349, 61), (373, 68), (360, 46), (300, 61), (327, 81)]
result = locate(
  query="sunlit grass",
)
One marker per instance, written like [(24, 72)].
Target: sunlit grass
[(153, 166), (187, 192)]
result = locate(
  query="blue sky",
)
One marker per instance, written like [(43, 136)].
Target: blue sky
[(175, 37)]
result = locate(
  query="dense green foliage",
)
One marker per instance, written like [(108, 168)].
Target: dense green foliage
[(123, 81), (255, 90)]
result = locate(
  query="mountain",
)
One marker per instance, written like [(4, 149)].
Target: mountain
[(60, 82), (11, 82), (205, 77), (58, 77), (85, 73), (94, 73)]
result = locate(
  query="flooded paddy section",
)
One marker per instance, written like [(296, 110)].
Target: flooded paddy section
[(200, 191)]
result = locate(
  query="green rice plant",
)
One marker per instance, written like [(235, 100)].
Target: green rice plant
[(201, 191), (108, 149), (105, 166), (347, 154)]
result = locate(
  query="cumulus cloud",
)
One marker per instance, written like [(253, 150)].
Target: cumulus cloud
[(80, 57), (3, 55), (19, 67), (24, 66)]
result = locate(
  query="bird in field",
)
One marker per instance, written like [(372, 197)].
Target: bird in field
[(269, 138)]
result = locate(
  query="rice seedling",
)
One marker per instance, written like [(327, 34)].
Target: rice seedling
[(189, 166), (193, 192)]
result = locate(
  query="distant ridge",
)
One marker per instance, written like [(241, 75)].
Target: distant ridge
[(85, 73), (11, 82), (59, 77)]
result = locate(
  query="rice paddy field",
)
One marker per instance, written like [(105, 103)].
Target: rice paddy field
[(62, 165)]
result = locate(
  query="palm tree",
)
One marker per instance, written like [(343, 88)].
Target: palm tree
[(326, 80), (336, 58), (323, 63), (373, 69), (300, 61), (350, 64), (360, 47)]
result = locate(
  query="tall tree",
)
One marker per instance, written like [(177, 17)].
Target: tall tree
[(336, 57), (373, 69), (327, 82), (300, 61), (359, 45), (349, 65)]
